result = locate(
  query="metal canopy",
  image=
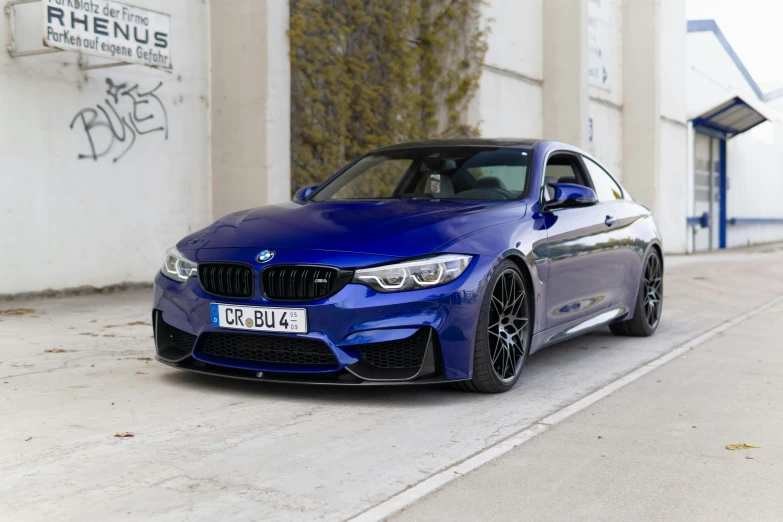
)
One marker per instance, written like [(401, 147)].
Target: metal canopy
[(730, 118)]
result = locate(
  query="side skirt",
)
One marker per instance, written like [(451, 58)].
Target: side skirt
[(573, 329)]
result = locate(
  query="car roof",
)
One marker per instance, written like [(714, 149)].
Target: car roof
[(464, 142)]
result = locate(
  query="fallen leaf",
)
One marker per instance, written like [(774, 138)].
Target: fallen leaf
[(744, 445), (139, 323), (749, 458), (28, 439), (143, 359), (109, 335), (16, 311), (89, 333), (58, 350), (124, 434), (141, 373)]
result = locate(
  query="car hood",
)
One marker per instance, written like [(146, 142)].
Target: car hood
[(400, 228)]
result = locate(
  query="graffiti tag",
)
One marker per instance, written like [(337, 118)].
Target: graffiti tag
[(125, 114)]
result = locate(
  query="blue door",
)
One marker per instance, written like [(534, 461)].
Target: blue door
[(584, 251)]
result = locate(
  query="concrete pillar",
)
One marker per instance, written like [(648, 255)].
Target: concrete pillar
[(642, 100), (250, 104), (565, 71)]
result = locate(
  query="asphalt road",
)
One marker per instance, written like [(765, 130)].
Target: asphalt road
[(77, 370)]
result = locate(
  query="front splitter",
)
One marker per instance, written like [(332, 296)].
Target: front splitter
[(339, 379)]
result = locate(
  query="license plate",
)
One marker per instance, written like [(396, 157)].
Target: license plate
[(262, 319)]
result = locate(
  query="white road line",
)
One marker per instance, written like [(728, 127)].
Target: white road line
[(407, 497)]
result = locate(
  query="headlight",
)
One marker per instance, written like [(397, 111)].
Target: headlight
[(177, 267), (413, 275)]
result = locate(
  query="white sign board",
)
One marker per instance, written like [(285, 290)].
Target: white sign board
[(598, 27), (108, 29)]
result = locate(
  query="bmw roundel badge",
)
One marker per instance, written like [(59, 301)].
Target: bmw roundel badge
[(264, 256)]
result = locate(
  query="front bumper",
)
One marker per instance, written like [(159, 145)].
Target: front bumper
[(347, 323)]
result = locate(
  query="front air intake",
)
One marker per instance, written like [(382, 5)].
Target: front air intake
[(268, 349)]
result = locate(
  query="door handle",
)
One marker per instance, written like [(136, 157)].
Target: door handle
[(610, 220)]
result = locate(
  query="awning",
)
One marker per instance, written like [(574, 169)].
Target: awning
[(730, 118)]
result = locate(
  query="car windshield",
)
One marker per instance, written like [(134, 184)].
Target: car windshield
[(485, 173)]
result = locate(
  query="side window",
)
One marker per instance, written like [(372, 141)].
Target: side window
[(562, 168), (606, 188)]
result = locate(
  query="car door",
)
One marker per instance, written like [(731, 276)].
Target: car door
[(583, 251), (623, 212)]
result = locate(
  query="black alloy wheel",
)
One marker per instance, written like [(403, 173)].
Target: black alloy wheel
[(507, 330), (503, 332), (649, 302), (653, 285)]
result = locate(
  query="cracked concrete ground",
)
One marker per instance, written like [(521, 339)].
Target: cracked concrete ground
[(77, 370)]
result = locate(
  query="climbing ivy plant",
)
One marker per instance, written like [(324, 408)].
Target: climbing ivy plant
[(367, 73)]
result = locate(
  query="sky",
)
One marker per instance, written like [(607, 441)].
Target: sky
[(753, 28)]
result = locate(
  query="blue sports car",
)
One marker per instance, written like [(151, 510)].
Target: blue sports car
[(433, 261)]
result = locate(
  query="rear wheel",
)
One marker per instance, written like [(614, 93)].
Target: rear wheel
[(503, 333), (649, 302)]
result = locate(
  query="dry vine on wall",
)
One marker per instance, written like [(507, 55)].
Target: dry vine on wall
[(367, 73)]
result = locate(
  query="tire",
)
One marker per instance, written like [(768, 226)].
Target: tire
[(649, 301), (503, 333)]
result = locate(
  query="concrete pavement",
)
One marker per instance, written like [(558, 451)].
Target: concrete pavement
[(654, 450), (76, 371)]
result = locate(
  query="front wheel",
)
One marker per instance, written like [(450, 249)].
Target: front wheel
[(502, 334), (649, 302)]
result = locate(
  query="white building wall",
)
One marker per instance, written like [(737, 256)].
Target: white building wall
[(673, 153), (509, 102), (509, 107), (673, 203), (124, 213), (712, 75), (512, 97), (69, 220), (755, 172), (754, 163), (606, 123), (605, 87)]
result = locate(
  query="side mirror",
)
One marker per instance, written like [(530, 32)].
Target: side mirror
[(304, 193), (569, 195)]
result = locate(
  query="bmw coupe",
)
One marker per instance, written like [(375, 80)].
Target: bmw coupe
[(434, 261)]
